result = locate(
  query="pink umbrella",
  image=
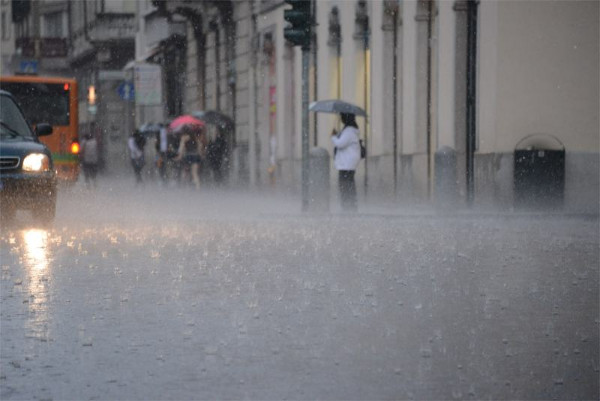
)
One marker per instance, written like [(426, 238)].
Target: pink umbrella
[(185, 120)]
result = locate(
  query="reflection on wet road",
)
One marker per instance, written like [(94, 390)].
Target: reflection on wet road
[(153, 295), (36, 263)]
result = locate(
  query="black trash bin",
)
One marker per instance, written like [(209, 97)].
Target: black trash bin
[(539, 172)]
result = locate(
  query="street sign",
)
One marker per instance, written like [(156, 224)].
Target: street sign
[(148, 89), (28, 67), (126, 90)]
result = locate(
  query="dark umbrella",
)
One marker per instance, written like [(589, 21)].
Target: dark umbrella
[(150, 129), (217, 118), (336, 106)]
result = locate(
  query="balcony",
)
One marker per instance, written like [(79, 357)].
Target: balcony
[(113, 26), (48, 47), (158, 28)]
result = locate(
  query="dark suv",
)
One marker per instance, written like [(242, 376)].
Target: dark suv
[(27, 176)]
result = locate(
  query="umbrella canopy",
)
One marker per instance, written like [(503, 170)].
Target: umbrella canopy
[(336, 106), (215, 118), (183, 121)]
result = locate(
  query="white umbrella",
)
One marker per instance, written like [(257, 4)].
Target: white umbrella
[(336, 106)]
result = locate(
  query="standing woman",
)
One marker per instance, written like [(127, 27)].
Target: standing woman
[(347, 156)]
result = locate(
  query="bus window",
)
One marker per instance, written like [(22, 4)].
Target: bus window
[(42, 102)]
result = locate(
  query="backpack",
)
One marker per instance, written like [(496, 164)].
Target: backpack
[(363, 149)]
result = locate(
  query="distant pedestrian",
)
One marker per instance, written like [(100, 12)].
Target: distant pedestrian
[(346, 158), (216, 154), (136, 145), (161, 153), (89, 159), (192, 149)]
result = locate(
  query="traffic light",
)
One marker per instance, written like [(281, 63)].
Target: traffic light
[(299, 18)]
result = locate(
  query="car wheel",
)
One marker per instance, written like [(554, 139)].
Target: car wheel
[(45, 212)]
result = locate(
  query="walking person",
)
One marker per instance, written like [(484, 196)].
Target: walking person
[(216, 154), (161, 153), (136, 145), (346, 158), (89, 159), (192, 149)]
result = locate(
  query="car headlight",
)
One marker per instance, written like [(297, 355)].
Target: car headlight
[(36, 162)]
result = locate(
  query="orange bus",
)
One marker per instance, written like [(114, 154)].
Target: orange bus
[(51, 100)]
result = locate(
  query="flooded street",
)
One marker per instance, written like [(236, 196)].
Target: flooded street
[(150, 294)]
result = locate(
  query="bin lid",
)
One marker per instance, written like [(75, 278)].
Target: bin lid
[(540, 142), (445, 150)]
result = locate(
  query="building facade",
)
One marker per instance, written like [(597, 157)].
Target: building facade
[(88, 40), (102, 42), (452, 88), (533, 68), (35, 37)]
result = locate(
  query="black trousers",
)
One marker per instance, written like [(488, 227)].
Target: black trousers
[(138, 165), (90, 170), (347, 189)]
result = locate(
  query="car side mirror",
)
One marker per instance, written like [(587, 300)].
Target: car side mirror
[(43, 129)]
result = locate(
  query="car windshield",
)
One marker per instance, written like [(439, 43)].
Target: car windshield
[(12, 121)]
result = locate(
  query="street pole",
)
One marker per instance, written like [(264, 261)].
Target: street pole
[(305, 160), (395, 100), (299, 33), (471, 98)]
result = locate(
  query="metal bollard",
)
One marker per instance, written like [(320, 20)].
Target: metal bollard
[(318, 181), (446, 184)]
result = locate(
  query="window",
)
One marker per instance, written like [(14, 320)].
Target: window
[(53, 25)]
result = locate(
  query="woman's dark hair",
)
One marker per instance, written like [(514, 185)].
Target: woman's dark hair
[(139, 139), (348, 120)]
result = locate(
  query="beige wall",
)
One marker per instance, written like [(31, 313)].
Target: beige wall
[(538, 73), (446, 72), (328, 71), (409, 90)]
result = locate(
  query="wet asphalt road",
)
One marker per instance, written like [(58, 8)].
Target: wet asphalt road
[(147, 294)]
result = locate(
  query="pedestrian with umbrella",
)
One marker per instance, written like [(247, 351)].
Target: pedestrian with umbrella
[(346, 157), (192, 145), (347, 147), (218, 145)]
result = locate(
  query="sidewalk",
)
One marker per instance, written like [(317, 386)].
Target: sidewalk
[(118, 198)]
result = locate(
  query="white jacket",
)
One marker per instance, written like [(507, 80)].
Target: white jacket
[(348, 149), (89, 151), (134, 151)]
